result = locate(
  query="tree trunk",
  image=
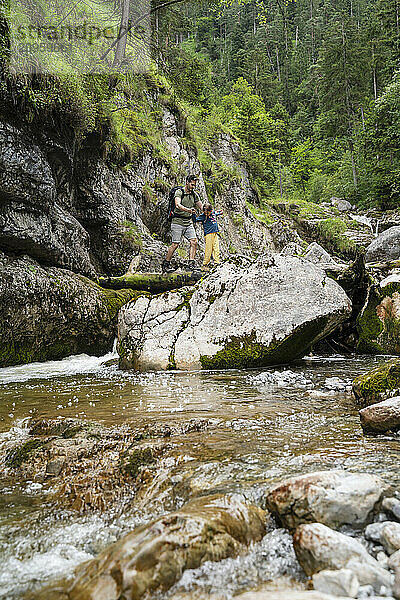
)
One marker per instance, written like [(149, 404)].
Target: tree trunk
[(150, 282), (122, 35)]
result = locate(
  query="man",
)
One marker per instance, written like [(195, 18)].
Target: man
[(182, 225)]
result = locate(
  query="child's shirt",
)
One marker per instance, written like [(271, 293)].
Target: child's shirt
[(210, 223)]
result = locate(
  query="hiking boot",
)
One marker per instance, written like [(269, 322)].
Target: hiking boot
[(193, 266), (166, 266)]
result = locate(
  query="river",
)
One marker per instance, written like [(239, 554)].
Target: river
[(264, 425)]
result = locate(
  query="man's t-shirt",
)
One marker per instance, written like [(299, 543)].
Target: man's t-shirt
[(188, 201)]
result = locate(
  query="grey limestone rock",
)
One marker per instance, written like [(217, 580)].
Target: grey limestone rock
[(239, 316), (385, 247)]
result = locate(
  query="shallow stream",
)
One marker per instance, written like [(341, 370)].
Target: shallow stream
[(264, 426)]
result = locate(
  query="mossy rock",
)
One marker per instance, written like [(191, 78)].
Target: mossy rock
[(378, 324), (378, 384), (140, 457), (16, 457)]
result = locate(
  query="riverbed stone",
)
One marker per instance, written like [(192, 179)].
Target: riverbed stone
[(390, 537), (373, 531), (392, 505), (318, 548), (243, 315), (378, 384), (318, 255), (289, 595), (342, 582), (154, 556), (381, 417), (334, 498)]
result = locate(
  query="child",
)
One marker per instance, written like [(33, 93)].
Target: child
[(210, 226)]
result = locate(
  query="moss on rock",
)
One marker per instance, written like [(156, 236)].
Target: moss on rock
[(378, 324), (247, 352), (378, 384), (23, 453)]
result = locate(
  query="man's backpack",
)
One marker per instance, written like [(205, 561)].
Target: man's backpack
[(171, 201)]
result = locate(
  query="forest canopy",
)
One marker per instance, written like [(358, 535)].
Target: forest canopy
[(310, 89)]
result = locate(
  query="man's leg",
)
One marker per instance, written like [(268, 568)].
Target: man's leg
[(216, 249), (193, 248), (171, 250), (208, 250)]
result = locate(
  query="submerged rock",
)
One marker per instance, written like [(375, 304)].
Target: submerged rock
[(268, 312), (381, 417), (154, 556), (379, 384), (334, 498)]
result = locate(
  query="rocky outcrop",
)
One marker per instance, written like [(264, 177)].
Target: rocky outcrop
[(242, 315), (379, 384), (385, 247), (334, 498), (49, 313), (154, 556), (381, 417)]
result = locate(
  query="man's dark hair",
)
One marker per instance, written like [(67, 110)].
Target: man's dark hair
[(190, 178)]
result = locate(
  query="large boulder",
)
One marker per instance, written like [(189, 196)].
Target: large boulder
[(50, 313), (243, 315), (385, 247), (379, 384), (289, 595), (334, 498), (154, 556), (320, 548), (381, 417)]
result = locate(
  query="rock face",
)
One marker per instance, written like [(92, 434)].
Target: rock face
[(381, 417), (378, 323), (154, 556), (378, 384), (334, 498), (262, 313), (49, 313), (385, 247), (288, 595)]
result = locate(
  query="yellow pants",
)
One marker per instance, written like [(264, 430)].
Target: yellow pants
[(212, 248)]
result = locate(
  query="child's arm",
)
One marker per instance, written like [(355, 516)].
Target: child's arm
[(219, 213)]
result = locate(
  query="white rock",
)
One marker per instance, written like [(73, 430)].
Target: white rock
[(334, 498), (390, 537), (249, 315), (318, 548), (342, 582)]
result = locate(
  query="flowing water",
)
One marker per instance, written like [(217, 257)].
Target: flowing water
[(264, 425)]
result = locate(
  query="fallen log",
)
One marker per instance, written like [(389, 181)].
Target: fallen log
[(150, 282)]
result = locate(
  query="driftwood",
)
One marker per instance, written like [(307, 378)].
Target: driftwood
[(150, 282)]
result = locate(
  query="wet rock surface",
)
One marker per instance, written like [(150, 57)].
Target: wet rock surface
[(50, 313), (381, 417), (385, 247), (334, 498), (378, 384), (88, 467), (231, 318), (155, 556)]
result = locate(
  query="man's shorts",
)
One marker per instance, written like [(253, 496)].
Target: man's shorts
[(177, 231)]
